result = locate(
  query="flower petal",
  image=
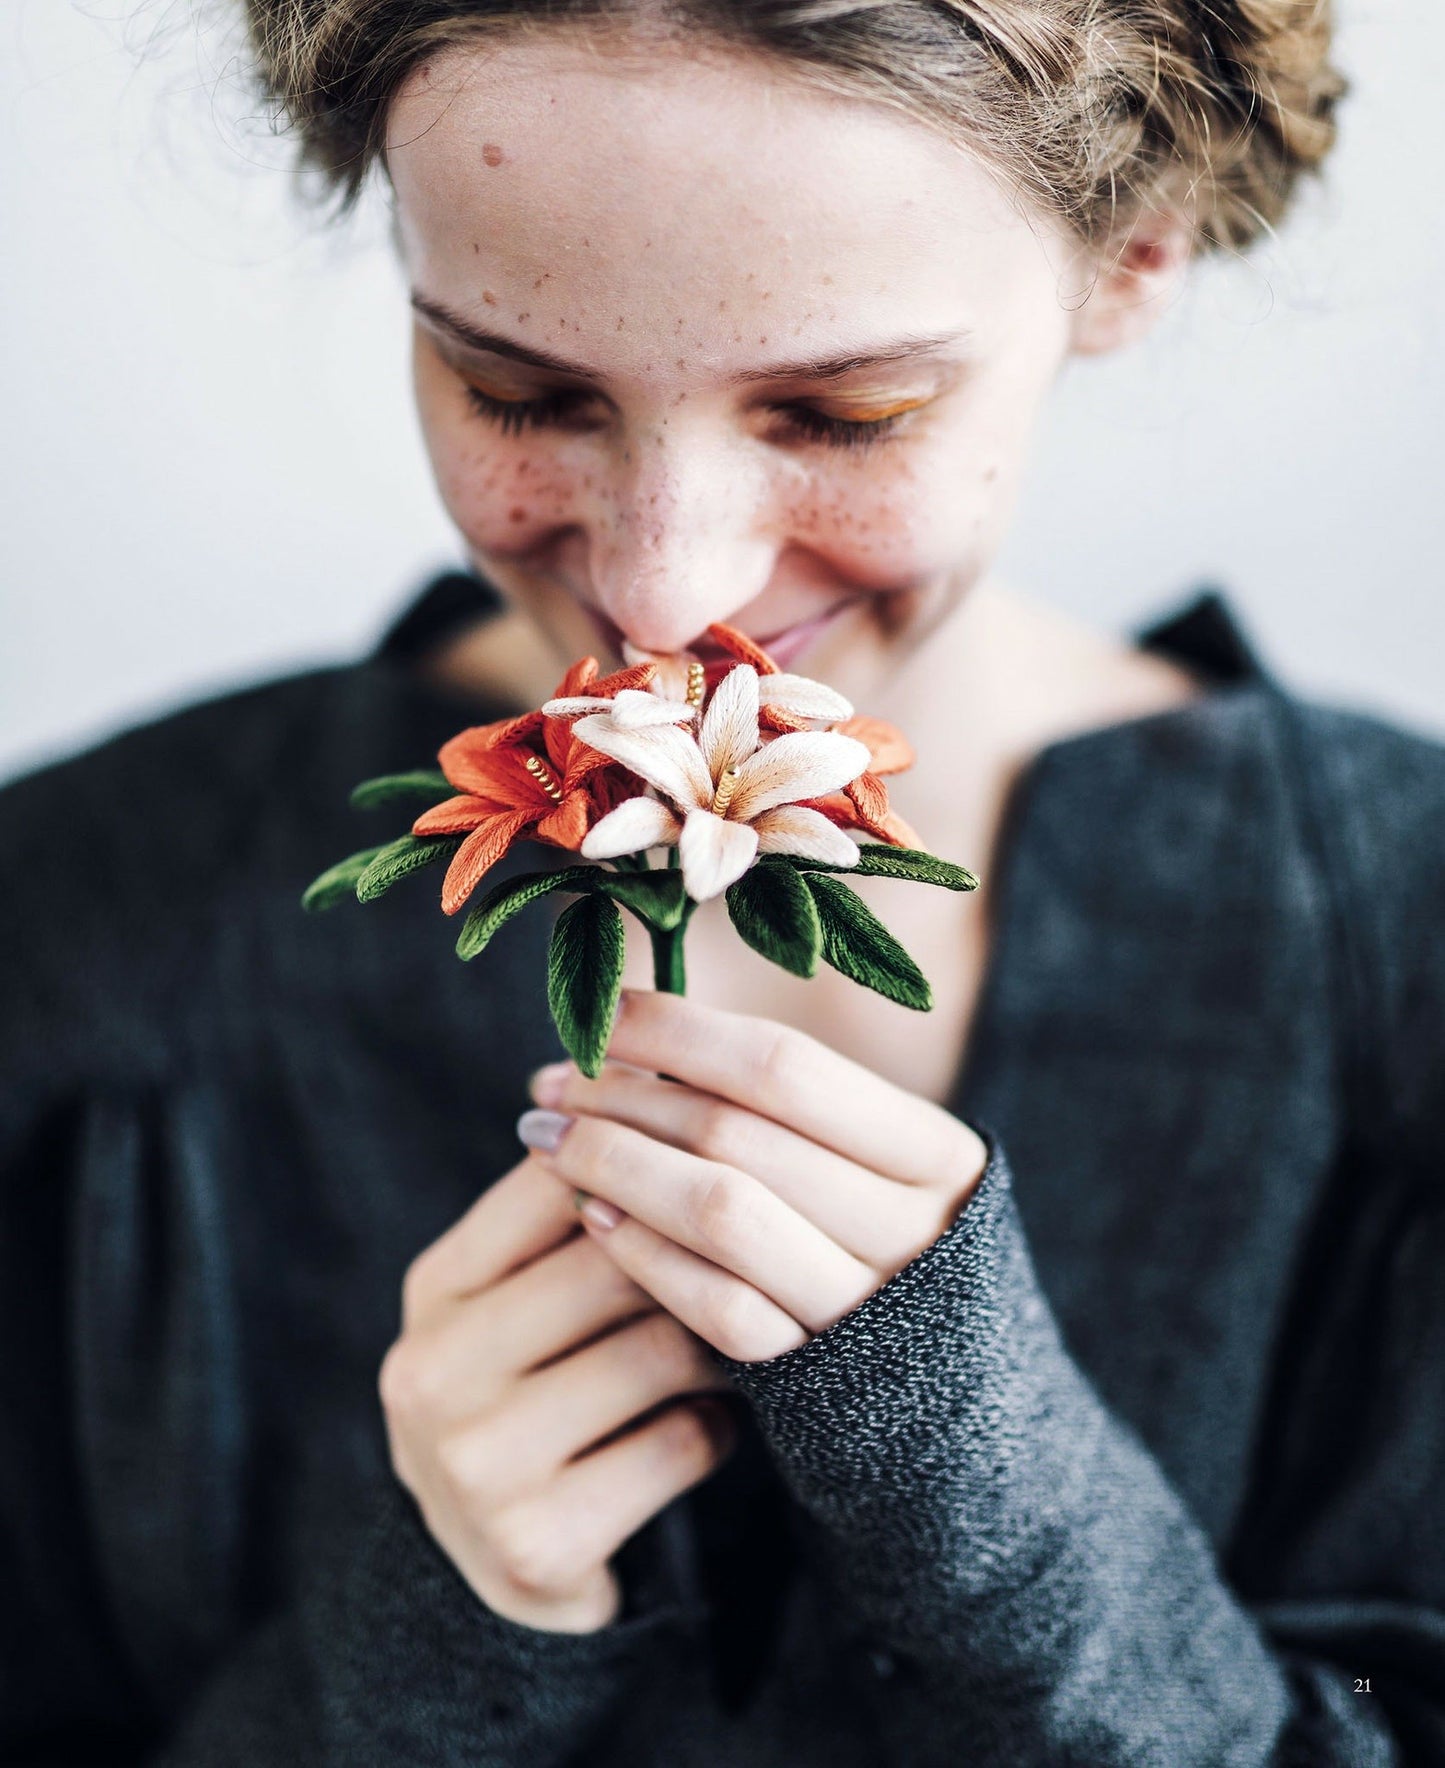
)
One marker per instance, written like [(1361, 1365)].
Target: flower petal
[(715, 852), (567, 824), (465, 757), (901, 833), (580, 676), (575, 706), (481, 850), (454, 816), (670, 679), (637, 675), (632, 709), (775, 718), (799, 764), (729, 732), (664, 755), (738, 644), (891, 750), (793, 828), (803, 697), (869, 797), (635, 825)]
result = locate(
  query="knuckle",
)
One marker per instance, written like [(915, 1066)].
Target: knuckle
[(468, 1467), (719, 1132), (784, 1059), (417, 1285), (401, 1381), (736, 1324), (532, 1551), (590, 1149), (721, 1212)]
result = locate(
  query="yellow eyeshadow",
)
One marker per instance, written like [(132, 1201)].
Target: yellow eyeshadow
[(501, 398), (874, 413), (853, 414)]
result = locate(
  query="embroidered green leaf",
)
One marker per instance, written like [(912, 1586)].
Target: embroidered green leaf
[(400, 858), (879, 859), (657, 896), (427, 782), (503, 901), (584, 977), (339, 880), (773, 911), (856, 942)]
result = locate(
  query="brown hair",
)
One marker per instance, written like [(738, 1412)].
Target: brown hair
[(1095, 109)]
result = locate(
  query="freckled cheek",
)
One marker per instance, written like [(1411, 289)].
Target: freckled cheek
[(504, 493), (898, 525)]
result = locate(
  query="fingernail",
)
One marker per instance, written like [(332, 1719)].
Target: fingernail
[(543, 1129), (600, 1213), (547, 1083)]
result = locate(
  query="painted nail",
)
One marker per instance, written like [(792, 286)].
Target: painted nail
[(600, 1214), (543, 1129), (547, 1083)]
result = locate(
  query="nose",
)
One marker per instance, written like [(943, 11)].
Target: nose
[(687, 536)]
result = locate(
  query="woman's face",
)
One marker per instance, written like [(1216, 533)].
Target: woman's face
[(694, 342)]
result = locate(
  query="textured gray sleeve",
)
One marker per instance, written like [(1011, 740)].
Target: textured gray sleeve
[(1026, 1582), (391, 1661)]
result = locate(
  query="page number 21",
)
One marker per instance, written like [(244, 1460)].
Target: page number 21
[(1362, 1684)]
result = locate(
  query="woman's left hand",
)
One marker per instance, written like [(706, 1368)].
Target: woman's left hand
[(769, 1193)]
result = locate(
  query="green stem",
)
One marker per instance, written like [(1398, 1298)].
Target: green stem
[(669, 971)]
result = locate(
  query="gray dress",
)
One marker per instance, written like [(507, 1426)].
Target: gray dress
[(1142, 1461)]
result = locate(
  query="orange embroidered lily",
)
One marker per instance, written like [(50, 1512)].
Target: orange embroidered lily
[(526, 775)]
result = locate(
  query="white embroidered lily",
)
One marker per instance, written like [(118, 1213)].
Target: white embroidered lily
[(726, 794), (680, 676), (630, 709)]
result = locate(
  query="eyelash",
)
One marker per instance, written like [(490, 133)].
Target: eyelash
[(513, 415)]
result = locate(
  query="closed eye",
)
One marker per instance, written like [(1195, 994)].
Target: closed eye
[(512, 416)]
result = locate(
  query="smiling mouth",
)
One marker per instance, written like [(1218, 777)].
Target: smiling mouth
[(788, 639)]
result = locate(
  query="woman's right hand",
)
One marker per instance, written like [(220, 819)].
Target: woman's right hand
[(500, 1397)]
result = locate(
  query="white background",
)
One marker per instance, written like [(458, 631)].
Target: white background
[(212, 470)]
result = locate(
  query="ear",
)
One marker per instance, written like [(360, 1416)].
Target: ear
[(1134, 285)]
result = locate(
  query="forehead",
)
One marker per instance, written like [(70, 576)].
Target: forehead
[(546, 170)]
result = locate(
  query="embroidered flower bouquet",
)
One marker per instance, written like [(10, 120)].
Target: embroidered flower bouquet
[(756, 784)]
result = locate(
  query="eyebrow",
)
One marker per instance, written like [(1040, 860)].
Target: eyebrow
[(813, 368)]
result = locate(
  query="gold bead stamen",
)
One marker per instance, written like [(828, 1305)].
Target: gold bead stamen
[(696, 682), (544, 777), (726, 786)]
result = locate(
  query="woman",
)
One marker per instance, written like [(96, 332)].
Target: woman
[(1053, 1377)]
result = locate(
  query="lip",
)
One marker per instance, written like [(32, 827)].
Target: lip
[(782, 646)]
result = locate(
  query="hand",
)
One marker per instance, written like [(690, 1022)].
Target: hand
[(502, 1404), (769, 1193)]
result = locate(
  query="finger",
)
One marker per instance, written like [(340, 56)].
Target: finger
[(876, 1219), (566, 1408), (795, 1079), (715, 1210), (517, 1218), (600, 1501), (737, 1319), (461, 1361)]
